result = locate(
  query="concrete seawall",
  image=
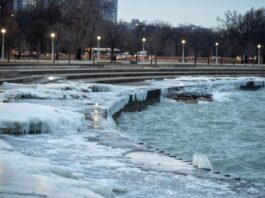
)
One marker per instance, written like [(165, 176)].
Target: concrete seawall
[(153, 97)]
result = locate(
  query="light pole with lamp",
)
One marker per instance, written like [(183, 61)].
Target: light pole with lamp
[(98, 38), (144, 40), (52, 37), (259, 47), (3, 31), (183, 50), (216, 53)]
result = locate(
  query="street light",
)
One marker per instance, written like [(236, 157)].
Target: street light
[(52, 37), (144, 40), (216, 53), (98, 38), (3, 31), (183, 50), (259, 47)]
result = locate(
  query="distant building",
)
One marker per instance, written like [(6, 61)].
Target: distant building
[(110, 11), (14, 5), (42, 3), (18, 5)]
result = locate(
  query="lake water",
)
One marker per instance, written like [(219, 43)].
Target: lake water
[(230, 131)]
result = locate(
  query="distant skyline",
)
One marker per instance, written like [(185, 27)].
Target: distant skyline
[(197, 12)]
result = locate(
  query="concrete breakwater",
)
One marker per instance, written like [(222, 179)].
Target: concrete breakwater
[(154, 96)]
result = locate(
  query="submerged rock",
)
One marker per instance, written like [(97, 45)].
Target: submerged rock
[(251, 86), (191, 97)]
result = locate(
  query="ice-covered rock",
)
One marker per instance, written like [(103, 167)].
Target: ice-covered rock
[(23, 118), (201, 161), (101, 88)]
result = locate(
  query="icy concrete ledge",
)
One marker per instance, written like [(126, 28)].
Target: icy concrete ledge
[(23, 118), (137, 104)]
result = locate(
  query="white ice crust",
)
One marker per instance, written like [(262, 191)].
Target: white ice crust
[(25, 118)]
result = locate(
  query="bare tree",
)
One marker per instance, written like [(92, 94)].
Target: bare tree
[(80, 21)]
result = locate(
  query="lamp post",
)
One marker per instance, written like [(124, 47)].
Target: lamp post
[(183, 50), (98, 38), (216, 53), (52, 37), (144, 40), (259, 47), (3, 31)]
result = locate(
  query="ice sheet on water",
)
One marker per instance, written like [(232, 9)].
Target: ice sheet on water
[(32, 177), (23, 118)]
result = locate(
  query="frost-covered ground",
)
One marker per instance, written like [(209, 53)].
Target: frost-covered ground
[(81, 153)]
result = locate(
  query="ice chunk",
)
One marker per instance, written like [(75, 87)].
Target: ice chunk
[(23, 118), (253, 191), (201, 161), (141, 95)]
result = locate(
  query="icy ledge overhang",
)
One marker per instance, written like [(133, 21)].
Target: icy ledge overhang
[(23, 118)]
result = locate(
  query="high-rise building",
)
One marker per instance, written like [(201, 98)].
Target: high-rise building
[(18, 5), (42, 3), (110, 7), (13, 5)]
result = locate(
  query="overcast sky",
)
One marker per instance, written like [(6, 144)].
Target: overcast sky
[(198, 12)]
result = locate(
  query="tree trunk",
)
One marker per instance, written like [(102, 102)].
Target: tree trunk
[(242, 59), (112, 54), (90, 54), (263, 57), (78, 54), (246, 59)]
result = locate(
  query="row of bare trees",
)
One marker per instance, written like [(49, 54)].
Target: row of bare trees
[(78, 24), (242, 33)]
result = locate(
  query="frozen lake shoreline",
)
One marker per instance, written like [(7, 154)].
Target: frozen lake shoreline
[(99, 153)]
